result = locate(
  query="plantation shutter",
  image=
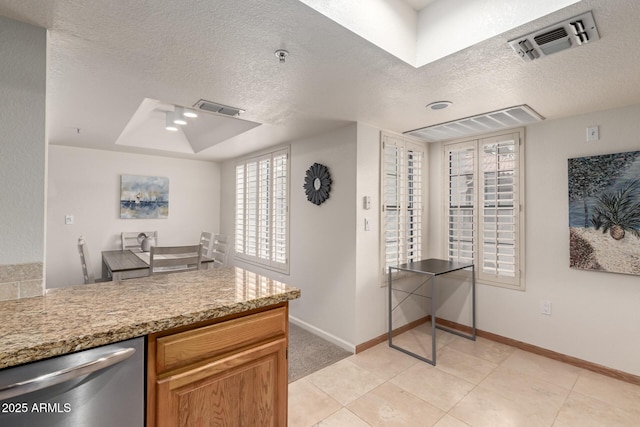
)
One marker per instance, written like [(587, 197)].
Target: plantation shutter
[(461, 197), (499, 215), (402, 163), (261, 220), (280, 210), (483, 207)]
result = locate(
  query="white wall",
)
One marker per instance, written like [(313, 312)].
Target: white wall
[(322, 238), (22, 142), (86, 184), (595, 315)]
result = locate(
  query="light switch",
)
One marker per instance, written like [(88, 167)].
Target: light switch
[(367, 226), (593, 133), (68, 219)]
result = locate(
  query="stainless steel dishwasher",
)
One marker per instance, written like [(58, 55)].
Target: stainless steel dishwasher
[(99, 387)]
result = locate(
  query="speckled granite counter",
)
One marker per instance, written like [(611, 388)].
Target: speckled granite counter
[(81, 317)]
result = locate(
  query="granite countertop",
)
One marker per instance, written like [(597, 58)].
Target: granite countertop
[(85, 316)]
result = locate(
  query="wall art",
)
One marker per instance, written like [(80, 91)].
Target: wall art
[(604, 213), (144, 197)]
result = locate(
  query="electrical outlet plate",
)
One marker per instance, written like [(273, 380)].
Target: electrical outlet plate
[(593, 133), (68, 219)]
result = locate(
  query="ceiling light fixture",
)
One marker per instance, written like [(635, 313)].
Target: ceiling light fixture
[(281, 54), (438, 105), (169, 122), (190, 113), (178, 116)]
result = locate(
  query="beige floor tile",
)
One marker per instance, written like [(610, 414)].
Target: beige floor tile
[(389, 405), (438, 388), (449, 421), (308, 404), (486, 408), (344, 381), (585, 411), (463, 366), (418, 340), (610, 390), (342, 418), (383, 361), (532, 394), (483, 348), (542, 368)]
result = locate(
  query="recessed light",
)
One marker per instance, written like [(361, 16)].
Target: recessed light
[(190, 113), (439, 105)]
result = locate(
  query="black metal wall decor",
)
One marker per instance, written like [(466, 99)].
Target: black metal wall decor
[(317, 183)]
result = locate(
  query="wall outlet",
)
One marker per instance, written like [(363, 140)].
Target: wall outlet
[(545, 307), (68, 219)]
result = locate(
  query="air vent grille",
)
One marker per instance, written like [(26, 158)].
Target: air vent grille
[(551, 36), (482, 123), (567, 34), (217, 108)]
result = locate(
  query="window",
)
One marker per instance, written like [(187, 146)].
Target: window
[(484, 206), (402, 200), (262, 213)]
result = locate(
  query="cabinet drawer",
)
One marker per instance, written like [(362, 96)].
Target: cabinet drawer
[(175, 351)]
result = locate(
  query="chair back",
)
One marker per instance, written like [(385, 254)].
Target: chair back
[(87, 271), (173, 259), (130, 239), (206, 240), (219, 250)]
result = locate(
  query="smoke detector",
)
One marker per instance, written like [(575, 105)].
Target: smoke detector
[(573, 32)]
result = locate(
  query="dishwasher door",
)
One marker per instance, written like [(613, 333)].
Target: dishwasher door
[(99, 387)]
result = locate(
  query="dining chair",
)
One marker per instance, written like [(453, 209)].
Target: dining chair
[(219, 250), (206, 240), (173, 259), (130, 239), (85, 260)]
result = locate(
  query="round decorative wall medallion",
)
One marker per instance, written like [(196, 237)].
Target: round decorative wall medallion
[(317, 183)]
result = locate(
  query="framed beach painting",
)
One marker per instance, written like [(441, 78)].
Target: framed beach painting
[(144, 197), (604, 213)]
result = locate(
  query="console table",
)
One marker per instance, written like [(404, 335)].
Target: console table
[(432, 268)]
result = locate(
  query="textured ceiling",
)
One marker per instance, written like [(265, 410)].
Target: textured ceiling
[(107, 56)]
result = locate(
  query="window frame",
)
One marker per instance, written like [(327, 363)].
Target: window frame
[(477, 143), (263, 240), (413, 144)]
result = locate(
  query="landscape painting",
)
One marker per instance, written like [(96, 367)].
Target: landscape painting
[(604, 213), (144, 197)]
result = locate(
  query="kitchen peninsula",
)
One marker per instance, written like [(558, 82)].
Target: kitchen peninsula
[(199, 325)]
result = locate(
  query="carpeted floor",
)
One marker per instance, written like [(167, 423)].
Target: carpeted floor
[(309, 353)]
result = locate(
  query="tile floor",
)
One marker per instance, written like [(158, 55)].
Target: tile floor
[(480, 383)]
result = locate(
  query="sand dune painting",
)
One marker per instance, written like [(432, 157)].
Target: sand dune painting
[(604, 213), (144, 197)]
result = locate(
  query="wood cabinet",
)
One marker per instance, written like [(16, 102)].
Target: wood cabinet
[(230, 373)]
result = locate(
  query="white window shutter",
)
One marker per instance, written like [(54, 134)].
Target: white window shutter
[(262, 214), (402, 199)]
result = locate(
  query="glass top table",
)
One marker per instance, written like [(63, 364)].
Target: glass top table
[(432, 268)]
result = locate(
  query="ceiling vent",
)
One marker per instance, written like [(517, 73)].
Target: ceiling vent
[(571, 33), (482, 123), (217, 108)]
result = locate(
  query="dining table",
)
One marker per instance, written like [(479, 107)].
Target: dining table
[(128, 264)]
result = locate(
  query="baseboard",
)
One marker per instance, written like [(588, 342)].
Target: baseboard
[(327, 336), (574, 361), (384, 337)]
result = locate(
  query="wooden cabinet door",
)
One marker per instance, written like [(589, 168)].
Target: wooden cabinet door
[(248, 388)]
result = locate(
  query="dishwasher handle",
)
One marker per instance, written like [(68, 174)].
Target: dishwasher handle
[(57, 377)]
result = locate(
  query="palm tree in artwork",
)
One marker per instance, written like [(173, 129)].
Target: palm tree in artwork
[(618, 212)]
